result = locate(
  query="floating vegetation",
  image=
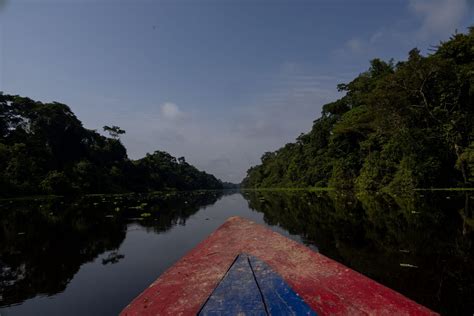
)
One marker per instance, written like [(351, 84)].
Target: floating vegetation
[(139, 207), (407, 265)]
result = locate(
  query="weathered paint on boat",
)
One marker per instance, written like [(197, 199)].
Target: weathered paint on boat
[(251, 287), (328, 287), (229, 298)]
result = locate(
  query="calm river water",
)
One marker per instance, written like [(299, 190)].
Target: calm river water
[(92, 255)]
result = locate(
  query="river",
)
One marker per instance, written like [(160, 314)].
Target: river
[(92, 255)]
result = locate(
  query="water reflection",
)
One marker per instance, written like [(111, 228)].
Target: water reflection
[(96, 253), (43, 242), (420, 245)]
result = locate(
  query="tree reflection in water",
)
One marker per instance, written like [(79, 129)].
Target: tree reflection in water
[(420, 245), (44, 241)]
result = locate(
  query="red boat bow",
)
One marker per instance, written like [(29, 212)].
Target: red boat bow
[(328, 287)]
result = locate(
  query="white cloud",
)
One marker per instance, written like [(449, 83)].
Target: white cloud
[(439, 17), (170, 111), (430, 21)]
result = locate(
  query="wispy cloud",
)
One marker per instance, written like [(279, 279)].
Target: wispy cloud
[(227, 139), (293, 99), (439, 17), (356, 47), (429, 21), (376, 37), (229, 144)]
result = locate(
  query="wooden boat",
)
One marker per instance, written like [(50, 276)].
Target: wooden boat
[(246, 269)]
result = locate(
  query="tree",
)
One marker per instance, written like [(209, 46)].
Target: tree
[(114, 131), (44, 149), (397, 127)]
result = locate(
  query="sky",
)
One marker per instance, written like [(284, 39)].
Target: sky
[(218, 81)]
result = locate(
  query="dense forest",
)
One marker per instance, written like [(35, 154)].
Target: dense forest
[(44, 149), (398, 126)]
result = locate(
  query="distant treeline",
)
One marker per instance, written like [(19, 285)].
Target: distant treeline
[(398, 126), (44, 149)]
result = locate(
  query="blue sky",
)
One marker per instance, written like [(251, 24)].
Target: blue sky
[(219, 82)]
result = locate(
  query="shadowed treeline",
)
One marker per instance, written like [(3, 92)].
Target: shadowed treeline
[(44, 149)]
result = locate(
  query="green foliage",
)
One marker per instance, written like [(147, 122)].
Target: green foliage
[(466, 161), (114, 131), (56, 182), (160, 170), (404, 179), (398, 127), (44, 149)]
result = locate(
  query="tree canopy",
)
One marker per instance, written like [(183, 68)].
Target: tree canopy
[(398, 126), (44, 149)]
